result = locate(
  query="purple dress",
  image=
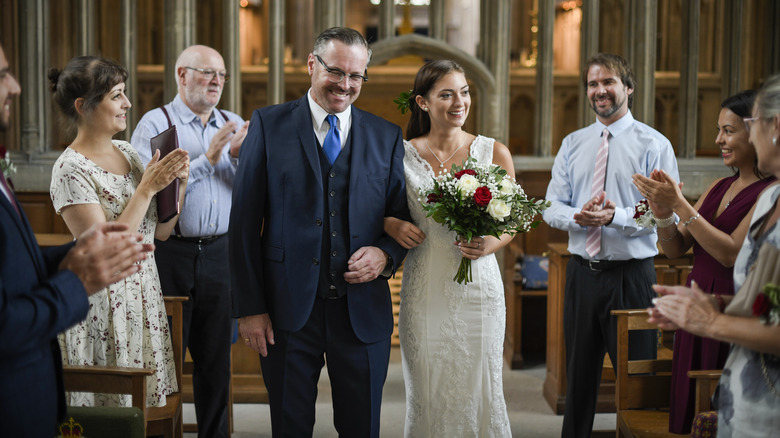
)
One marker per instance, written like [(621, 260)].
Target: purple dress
[(693, 352)]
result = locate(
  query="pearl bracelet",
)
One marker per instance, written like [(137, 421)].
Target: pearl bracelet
[(664, 222), (691, 219)]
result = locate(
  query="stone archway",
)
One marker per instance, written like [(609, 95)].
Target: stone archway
[(488, 113)]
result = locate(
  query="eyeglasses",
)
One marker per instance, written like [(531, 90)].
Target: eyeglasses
[(209, 73), (336, 76), (749, 122)]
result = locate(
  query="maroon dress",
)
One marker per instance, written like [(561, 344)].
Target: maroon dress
[(693, 352)]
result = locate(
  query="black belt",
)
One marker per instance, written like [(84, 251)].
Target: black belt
[(601, 265), (205, 240)]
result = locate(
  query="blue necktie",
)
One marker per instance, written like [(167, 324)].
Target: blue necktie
[(332, 145)]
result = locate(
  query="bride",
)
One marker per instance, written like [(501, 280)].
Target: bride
[(452, 335)]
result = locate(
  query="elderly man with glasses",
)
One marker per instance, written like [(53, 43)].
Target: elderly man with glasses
[(193, 262)]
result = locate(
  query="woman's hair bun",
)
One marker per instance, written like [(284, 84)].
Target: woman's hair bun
[(54, 78)]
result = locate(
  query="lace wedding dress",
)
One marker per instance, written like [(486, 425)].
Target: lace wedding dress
[(452, 335)]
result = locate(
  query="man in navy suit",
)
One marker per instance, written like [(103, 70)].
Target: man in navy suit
[(43, 292), (309, 257)]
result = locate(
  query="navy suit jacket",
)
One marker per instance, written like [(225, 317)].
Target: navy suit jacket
[(276, 217), (36, 303)]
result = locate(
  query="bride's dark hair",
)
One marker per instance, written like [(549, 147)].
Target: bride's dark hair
[(427, 76)]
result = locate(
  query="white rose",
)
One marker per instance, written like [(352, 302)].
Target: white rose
[(507, 187), (467, 184), (498, 209)]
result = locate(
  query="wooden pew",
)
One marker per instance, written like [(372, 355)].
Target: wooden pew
[(642, 386)]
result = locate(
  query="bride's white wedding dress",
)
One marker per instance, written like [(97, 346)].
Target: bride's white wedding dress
[(452, 335)]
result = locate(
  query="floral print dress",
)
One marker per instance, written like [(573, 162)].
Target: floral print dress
[(126, 324)]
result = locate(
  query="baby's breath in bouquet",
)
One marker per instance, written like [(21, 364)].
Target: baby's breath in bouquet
[(480, 200)]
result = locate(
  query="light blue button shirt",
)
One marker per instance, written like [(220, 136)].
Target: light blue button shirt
[(634, 147), (209, 189)]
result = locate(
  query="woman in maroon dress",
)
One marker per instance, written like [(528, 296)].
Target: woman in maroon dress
[(715, 227)]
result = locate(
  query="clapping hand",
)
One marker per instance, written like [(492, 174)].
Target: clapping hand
[(683, 307), (596, 212), (161, 172), (105, 254), (662, 192)]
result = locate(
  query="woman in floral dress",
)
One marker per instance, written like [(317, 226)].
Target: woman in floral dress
[(97, 179)]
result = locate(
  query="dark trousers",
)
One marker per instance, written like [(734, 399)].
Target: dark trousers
[(357, 374), (591, 330), (201, 273)]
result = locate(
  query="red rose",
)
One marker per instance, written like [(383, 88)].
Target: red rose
[(433, 198), (2, 152), (471, 172), (482, 196), (761, 305)]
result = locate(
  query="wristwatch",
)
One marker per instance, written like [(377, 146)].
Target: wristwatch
[(388, 271)]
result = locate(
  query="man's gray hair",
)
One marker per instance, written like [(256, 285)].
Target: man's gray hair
[(348, 36)]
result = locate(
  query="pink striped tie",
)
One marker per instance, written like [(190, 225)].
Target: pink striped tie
[(593, 242)]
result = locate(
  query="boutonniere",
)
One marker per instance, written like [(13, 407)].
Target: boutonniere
[(6, 165), (767, 305)]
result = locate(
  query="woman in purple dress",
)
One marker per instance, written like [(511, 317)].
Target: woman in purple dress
[(715, 227)]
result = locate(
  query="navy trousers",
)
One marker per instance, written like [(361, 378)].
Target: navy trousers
[(357, 373)]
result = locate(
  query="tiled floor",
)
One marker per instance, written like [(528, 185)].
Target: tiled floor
[(529, 414)]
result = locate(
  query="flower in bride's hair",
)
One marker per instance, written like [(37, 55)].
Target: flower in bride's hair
[(404, 101)]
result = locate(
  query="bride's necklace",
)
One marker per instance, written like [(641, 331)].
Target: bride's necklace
[(441, 163)]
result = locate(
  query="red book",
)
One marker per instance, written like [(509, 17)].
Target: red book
[(167, 198)]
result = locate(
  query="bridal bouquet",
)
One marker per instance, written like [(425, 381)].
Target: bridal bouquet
[(479, 200)]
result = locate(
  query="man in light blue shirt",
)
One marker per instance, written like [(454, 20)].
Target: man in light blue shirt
[(612, 257), (194, 261)]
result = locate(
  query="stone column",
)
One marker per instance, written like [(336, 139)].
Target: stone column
[(494, 31), (386, 20), (327, 14), (179, 34), (231, 93), (128, 57), (86, 43), (732, 74), (689, 80), (544, 80), (35, 101), (276, 52), (643, 22), (589, 46), (437, 19)]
